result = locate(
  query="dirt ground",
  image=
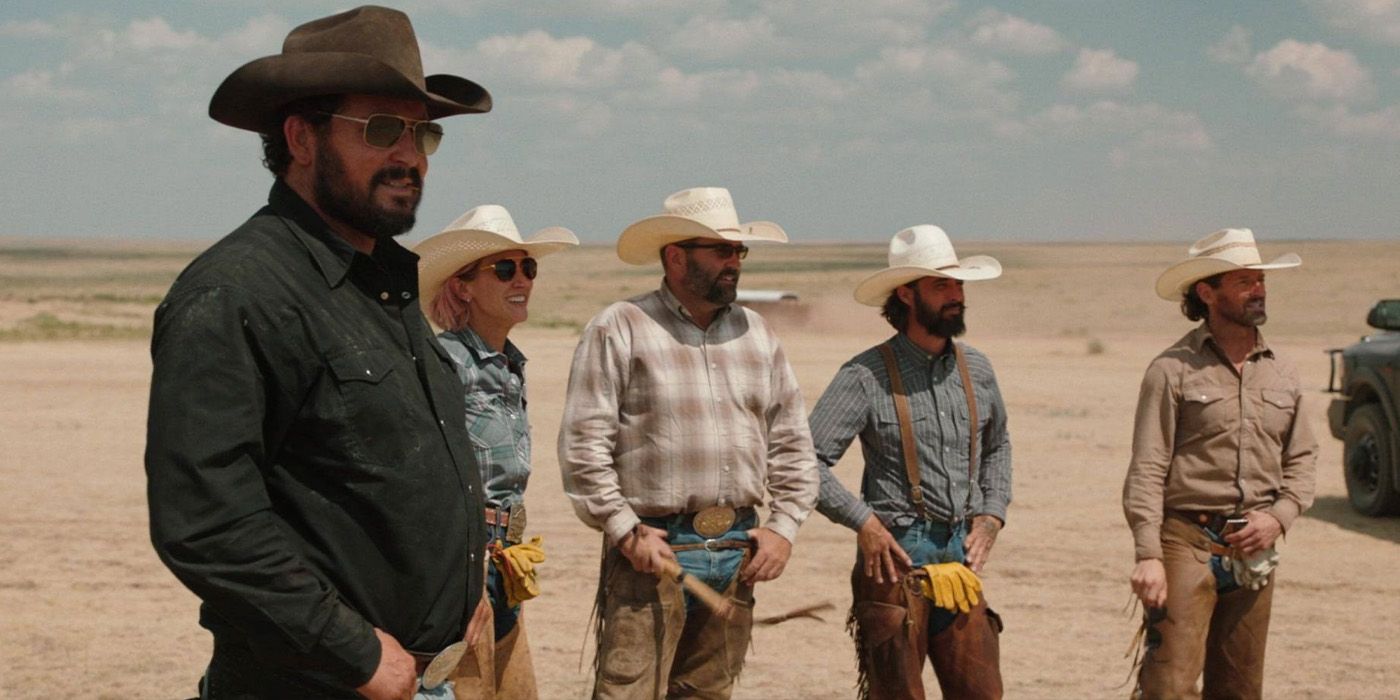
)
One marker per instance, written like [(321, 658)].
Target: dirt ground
[(87, 610)]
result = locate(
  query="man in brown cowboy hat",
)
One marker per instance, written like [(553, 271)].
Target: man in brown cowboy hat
[(937, 480), (1223, 463), (310, 476), (681, 416)]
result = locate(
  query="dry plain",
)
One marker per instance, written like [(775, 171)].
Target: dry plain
[(86, 610)]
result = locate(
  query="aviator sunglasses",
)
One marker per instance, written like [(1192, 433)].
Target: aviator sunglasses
[(723, 250), (384, 130), (505, 269)]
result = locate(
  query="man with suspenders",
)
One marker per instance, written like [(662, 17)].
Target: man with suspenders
[(934, 493)]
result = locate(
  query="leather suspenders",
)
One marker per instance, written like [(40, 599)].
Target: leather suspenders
[(906, 425)]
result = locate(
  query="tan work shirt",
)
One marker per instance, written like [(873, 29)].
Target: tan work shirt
[(664, 417), (1207, 438)]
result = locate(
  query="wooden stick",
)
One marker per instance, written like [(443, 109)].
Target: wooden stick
[(717, 603)]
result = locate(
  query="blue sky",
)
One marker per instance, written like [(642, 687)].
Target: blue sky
[(1112, 120)]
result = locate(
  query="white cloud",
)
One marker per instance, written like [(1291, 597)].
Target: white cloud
[(716, 38), (539, 60), (1375, 19), (1382, 124), (1311, 71), (1000, 31), (945, 70), (1100, 70), (1233, 48), (1133, 133), (157, 34), (841, 25), (34, 28)]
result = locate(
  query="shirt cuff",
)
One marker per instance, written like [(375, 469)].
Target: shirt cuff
[(619, 524), (996, 510), (1147, 542), (1286, 510), (855, 516), (784, 525), (348, 647)]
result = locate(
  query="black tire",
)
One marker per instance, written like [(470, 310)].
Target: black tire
[(1368, 460)]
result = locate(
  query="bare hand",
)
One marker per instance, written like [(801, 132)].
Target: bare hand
[(884, 558), (396, 677), (980, 539), (645, 546), (481, 621), (1260, 533), (1150, 583), (770, 556)]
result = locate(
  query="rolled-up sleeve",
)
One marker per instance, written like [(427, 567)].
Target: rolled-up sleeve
[(1154, 430), (588, 432), (793, 480), (210, 512)]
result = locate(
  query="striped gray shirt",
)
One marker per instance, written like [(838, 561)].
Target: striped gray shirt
[(859, 401)]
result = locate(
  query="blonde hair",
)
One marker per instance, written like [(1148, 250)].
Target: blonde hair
[(449, 310)]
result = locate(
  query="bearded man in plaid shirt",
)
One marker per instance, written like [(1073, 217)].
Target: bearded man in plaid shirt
[(682, 414)]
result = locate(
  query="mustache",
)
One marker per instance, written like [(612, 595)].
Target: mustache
[(384, 176), (953, 306)]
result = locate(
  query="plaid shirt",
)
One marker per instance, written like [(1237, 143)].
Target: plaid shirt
[(493, 384), (859, 402), (664, 417)]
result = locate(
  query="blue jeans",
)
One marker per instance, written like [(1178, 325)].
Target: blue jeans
[(504, 615), (716, 568), (933, 543)]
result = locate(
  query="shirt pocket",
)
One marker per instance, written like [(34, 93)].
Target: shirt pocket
[(362, 385), (1278, 407), (1207, 409)]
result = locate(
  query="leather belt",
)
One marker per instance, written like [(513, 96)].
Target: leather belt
[(511, 519), (709, 522), (1215, 522)]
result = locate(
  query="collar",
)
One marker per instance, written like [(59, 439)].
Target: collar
[(480, 350), (1197, 338), (675, 306), (331, 254), (902, 344)]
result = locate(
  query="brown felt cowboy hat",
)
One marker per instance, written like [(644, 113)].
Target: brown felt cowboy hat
[(369, 50)]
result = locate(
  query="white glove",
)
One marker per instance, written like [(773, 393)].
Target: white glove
[(1253, 571)]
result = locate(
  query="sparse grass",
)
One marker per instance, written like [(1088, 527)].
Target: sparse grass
[(1096, 347), (46, 326)]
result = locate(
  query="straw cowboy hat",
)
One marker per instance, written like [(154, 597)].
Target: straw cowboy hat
[(367, 51), (1222, 251), (482, 231), (923, 251), (700, 212)]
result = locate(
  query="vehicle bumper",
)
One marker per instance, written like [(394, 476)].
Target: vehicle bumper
[(1336, 417)]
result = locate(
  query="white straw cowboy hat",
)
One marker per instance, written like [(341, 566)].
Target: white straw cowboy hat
[(1222, 251), (923, 251), (366, 51), (482, 231), (700, 212)]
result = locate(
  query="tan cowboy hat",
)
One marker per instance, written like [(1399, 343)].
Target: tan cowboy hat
[(369, 50), (482, 231), (1225, 250), (700, 212), (923, 251)]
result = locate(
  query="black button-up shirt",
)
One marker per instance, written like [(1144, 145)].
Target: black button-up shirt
[(310, 476)]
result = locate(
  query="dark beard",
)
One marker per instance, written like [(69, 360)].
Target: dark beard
[(1247, 317), (335, 195), (933, 321), (708, 288)]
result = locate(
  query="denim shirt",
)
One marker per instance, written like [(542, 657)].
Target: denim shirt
[(494, 387)]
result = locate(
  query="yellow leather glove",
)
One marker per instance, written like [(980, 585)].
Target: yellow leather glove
[(517, 566), (952, 586)]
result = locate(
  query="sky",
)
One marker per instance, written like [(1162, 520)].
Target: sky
[(842, 120)]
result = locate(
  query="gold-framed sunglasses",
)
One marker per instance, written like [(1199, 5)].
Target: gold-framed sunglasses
[(384, 130)]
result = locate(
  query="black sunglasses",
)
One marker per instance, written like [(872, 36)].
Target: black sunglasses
[(505, 269), (384, 130), (724, 250)]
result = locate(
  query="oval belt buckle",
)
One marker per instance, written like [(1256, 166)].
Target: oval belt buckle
[(713, 521), (442, 665)]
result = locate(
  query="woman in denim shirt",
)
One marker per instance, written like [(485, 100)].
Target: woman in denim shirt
[(475, 279)]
